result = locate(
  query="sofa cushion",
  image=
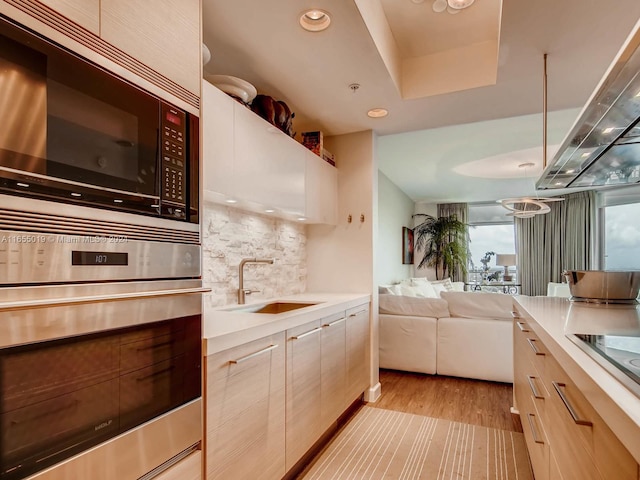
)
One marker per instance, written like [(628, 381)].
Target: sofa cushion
[(479, 305), (413, 306)]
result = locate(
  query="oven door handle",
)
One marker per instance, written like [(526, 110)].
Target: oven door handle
[(100, 298)]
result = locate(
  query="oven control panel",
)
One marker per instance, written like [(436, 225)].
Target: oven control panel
[(29, 257), (174, 173)]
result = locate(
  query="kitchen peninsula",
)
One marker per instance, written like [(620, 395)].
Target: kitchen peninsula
[(277, 383), (579, 420)]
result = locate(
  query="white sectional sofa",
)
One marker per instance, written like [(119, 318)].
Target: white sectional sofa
[(462, 334)]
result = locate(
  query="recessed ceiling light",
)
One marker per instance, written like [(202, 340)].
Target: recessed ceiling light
[(302, 219), (269, 210), (315, 20), (231, 200), (608, 130), (74, 194), (117, 200), (377, 112), (460, 4), (20, 184), (571, 170), (586, 154), (417, 1)]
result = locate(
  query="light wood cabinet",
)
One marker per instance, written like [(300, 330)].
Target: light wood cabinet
[(565, 436), (189, 468), (357, 330), (247, 159), (245, 417), (162, 34), (333, 368), (303, 417), (85, 13)]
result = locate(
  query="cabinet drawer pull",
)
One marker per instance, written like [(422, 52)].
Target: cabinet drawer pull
[(357, 313), (255, 354), (335, 322), (534, 431), (532, 344), (515, 314), (155, 374), (310, 332), (533, 387), (559, 386), (522, 327)]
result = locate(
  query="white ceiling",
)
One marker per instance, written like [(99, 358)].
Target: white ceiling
[(458, 146)]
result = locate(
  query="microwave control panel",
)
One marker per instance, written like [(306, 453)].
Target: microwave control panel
[(174, 156)]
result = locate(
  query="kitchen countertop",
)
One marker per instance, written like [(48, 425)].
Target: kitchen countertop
[(225, 329), (555, 317)]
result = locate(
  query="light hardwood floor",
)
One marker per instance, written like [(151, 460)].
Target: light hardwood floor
[(459, 399)]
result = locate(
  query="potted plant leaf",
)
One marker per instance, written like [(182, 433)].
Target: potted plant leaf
[(443, 242)]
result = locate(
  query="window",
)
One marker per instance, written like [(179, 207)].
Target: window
[(490, 230), (622, 237)]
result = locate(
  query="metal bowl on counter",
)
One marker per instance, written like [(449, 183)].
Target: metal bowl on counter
[(603, 286)]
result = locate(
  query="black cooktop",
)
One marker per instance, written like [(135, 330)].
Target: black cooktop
[(618, 354)]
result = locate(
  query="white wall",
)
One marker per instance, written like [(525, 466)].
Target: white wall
[(230, 234), (395, 210), (342, 258)]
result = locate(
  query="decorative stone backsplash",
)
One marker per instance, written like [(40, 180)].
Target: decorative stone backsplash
[(229, 235)]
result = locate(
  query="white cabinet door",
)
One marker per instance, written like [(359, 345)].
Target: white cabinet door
[(269, 165), (85, 13), (333, 368), (357, 351), (163, 34), (245, 401), (218, 150), (303, 422), (321, 190)]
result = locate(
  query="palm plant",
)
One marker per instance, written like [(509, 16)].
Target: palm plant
[(443, 241)]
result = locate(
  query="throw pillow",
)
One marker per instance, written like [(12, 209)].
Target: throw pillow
[(425, 287), (445, 282), (409, 291), (439, 288)]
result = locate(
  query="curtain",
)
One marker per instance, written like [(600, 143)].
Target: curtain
[(461, 211), (563, 239)]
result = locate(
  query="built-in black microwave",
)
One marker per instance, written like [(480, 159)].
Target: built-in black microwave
[(72, 132)]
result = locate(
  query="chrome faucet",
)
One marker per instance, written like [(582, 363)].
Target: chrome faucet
[(242, 292)]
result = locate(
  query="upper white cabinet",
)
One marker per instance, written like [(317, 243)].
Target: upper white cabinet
[(162, 34), (321, 181), (269, 168), (218, 145), (249, 160), (85, 13)]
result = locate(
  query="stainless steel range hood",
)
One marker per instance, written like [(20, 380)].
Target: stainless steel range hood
[(603, 147)]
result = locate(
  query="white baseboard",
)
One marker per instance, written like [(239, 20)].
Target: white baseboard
[(373, 393)]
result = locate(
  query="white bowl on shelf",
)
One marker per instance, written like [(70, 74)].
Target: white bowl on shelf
[(233, 86)]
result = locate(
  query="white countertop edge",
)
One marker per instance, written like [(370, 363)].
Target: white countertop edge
[(615, 403), (224, 329)]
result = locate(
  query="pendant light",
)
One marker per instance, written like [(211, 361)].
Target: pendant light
[(527, 207)]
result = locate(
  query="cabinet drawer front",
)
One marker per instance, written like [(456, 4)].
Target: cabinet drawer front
[(537, 444), (240, 377), (333, 368), (529, 343)]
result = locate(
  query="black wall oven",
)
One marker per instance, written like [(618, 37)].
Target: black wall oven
[(75, 133), (99, 377)]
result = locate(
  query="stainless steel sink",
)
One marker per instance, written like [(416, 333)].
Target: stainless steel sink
[(273, 307)]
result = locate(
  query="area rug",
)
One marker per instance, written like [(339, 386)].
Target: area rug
[(385, 444)]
